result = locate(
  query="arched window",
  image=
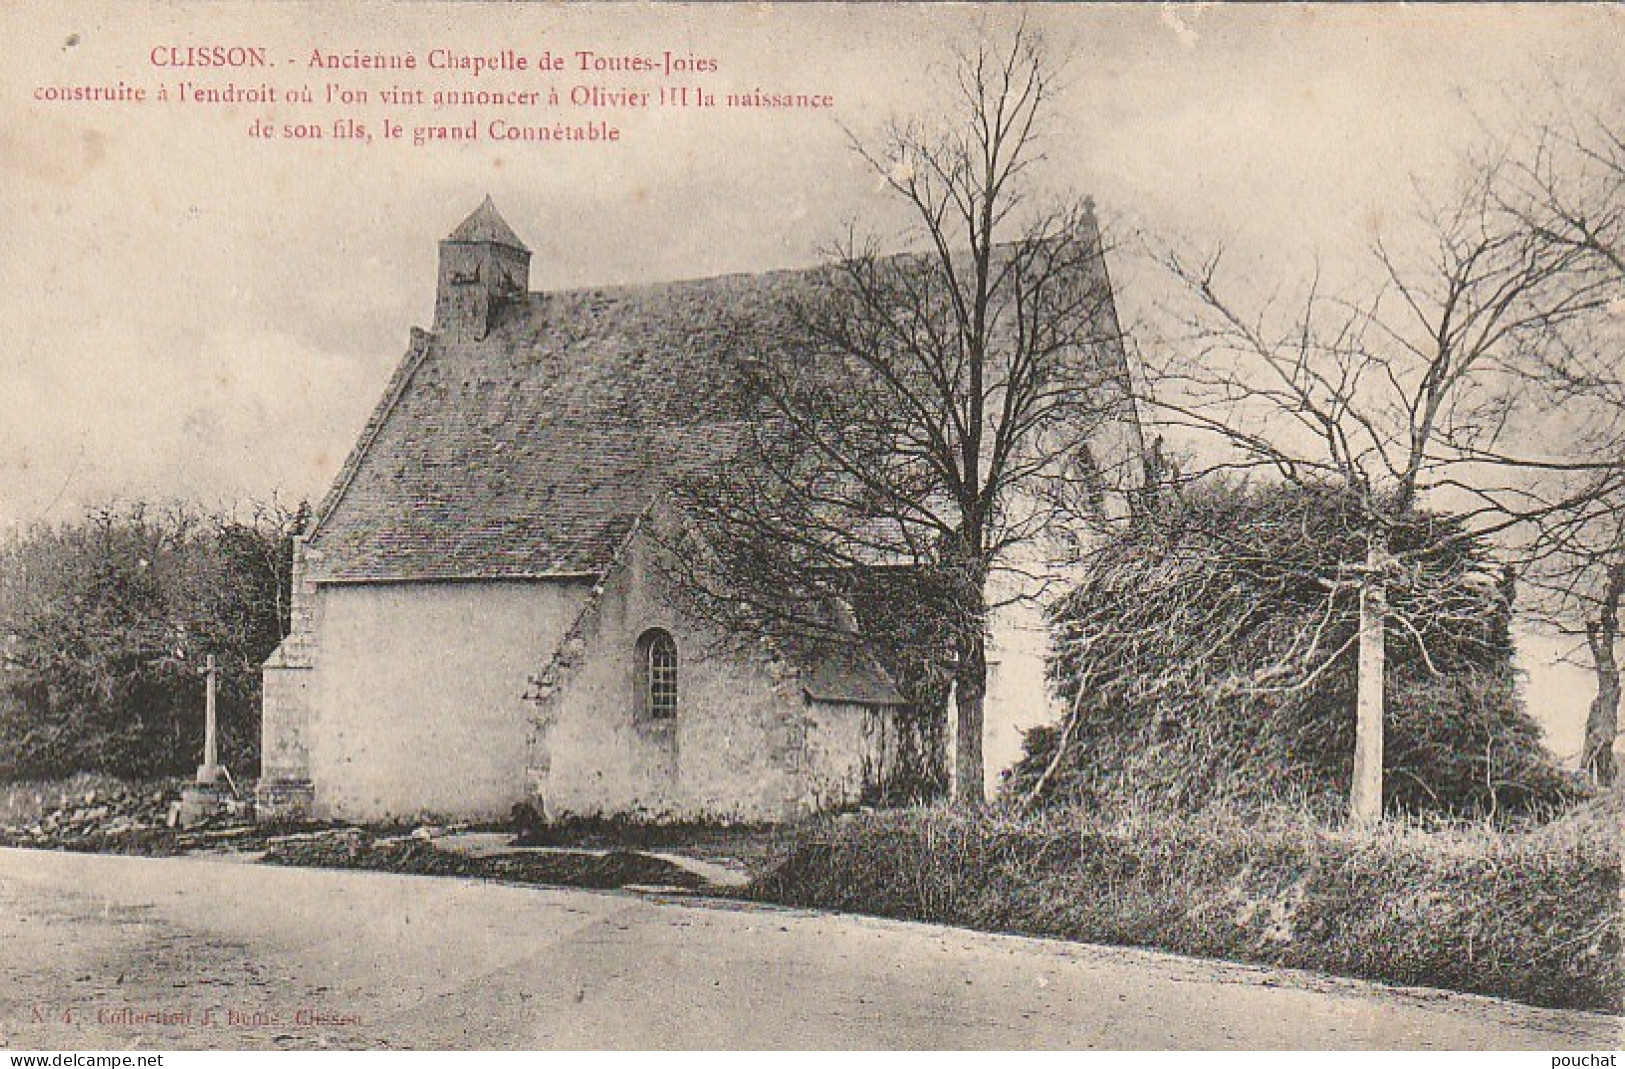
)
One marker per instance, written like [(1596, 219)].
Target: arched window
[(657, 675)]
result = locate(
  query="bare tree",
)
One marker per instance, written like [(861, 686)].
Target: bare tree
[(1575, 567), (1569, 192), (926, 405), (1398, 398), (1602, 638)]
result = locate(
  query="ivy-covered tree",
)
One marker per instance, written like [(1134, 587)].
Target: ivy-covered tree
[(1210, 652), (1395, 391)]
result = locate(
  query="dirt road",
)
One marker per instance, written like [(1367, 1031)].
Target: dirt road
[(104, 952)]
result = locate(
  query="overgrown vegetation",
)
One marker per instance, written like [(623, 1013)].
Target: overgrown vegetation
[(105, 625), (354, 848), (1209, 655), (1531, 915)]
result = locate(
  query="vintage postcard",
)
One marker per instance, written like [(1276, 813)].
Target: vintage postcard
[(900, 526)]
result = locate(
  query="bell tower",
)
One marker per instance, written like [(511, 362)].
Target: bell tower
[(483, 265)]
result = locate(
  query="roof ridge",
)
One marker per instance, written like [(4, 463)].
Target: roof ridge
[(744, 274), (692, 280)]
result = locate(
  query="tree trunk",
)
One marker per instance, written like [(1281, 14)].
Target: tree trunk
[(1602, 723), (1365, 795), (970, 694)]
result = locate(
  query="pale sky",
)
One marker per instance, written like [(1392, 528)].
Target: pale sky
[(192, 313)]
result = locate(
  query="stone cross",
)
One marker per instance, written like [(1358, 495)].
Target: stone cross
[(210, 772)]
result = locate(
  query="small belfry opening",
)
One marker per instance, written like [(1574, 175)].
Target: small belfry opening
[(656, 687)]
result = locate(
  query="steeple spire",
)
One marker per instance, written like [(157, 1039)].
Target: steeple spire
[(485, 224)]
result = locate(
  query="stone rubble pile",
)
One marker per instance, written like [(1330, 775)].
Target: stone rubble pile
[(109, 816)]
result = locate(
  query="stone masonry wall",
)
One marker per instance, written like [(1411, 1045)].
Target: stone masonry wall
[(851, 753), (732, 753), (418, 701)]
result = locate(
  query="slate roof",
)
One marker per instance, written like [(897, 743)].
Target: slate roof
[(841, 672), (530, 452), (485, 223)]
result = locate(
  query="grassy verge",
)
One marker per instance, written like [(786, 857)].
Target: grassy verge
[(1533, 915)]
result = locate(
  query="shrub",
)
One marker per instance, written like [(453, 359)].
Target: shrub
[(1531, 915), (105, 625)]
